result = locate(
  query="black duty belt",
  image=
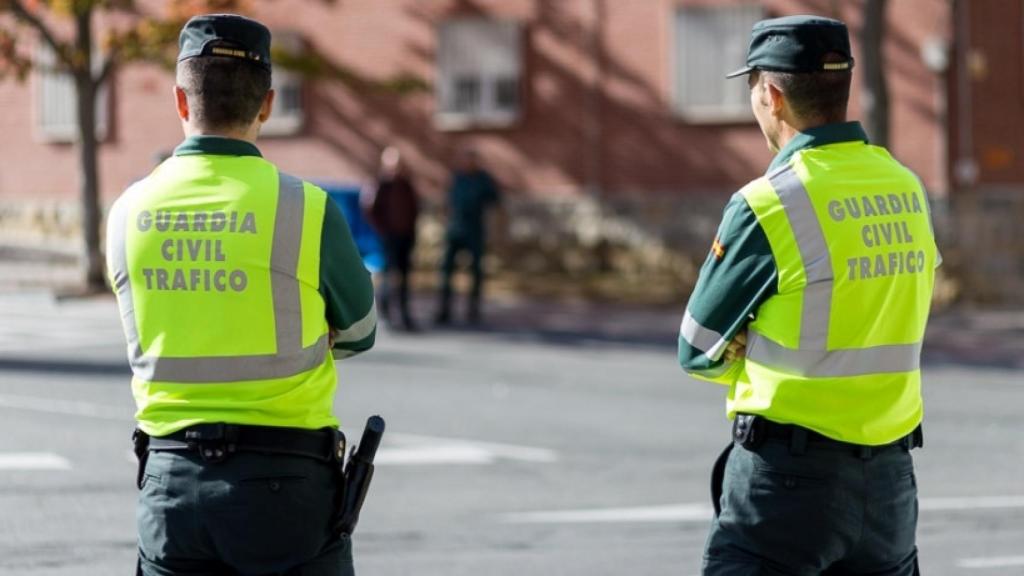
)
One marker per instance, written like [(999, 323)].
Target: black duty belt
[(215, 442), (750, 431)]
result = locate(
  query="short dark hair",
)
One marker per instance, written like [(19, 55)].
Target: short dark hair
[(815, 96), (223, 92)]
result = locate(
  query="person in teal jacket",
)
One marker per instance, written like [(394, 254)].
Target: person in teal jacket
[(471, 193)]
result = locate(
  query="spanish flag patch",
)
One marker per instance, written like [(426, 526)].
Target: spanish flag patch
[(718, 249)]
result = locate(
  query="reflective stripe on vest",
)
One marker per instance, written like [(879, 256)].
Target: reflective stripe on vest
[(810, 240), (290, 357), (832, 363)]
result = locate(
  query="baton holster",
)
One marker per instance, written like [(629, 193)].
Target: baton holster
[(355, 479), (140, 446)]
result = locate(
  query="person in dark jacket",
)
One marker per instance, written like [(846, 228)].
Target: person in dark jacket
[(471, 193), (392, 208)]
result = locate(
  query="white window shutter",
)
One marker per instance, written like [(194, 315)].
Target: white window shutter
[(479, 68), (712, 41), (56, 100), (289, 113)]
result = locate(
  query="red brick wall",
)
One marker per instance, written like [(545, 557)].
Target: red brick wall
[(996, 82), (609, 126)]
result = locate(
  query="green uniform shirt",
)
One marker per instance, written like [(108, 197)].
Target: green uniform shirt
[(347, 296), (740, 272)]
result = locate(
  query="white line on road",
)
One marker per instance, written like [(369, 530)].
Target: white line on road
[(676, 513), (33, 461), (399, 449), (416, 449), (450, 454), (971, 503), (698, 512), (996, 562), (70, 407)]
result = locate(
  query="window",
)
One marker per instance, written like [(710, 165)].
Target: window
[(56, 100), (712, 41), (479, 69), (289, 113)]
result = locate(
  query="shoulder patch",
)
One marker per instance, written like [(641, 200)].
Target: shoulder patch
[(718, 249)]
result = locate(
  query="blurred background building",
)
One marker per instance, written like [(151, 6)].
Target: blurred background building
[(609, 123)]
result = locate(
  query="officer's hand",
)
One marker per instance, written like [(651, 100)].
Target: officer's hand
[(736, 349), (330, 337)]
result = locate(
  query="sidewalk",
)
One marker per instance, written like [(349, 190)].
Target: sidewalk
[(26, 267), (979, 338)]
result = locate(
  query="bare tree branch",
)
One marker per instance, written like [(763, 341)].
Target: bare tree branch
[(23, 15)]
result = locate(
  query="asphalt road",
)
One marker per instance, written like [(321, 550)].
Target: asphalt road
[(508, 451)]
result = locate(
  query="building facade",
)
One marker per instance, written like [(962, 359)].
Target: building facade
[(609, 124)]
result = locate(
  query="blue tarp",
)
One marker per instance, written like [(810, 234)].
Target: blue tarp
[(347, 198)]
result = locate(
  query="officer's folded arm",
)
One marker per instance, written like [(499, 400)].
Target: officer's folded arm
[(347, 289), (738, 275)]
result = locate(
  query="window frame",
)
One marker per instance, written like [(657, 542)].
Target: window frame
[(48, 71), (488, 114), (704, 113), (281, 123)]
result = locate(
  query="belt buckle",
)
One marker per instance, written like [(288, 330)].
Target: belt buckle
[(213, 452), (213, 442)]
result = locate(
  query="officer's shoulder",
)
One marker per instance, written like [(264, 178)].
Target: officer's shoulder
[(751, 190), (308, 187), (884, 155), (312, 188), (133, 189)]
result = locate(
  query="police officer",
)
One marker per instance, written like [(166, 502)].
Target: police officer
[(234, 280), (811, 308)]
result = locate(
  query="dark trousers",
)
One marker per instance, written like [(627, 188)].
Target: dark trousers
[(398, 254), (822, 510), (454, 247), (251, 514)]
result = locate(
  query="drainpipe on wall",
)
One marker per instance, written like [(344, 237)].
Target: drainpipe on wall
[(935, 53), (592, 125), (965, 170)]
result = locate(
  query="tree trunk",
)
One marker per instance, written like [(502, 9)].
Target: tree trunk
[(85, 85), (875, 93)]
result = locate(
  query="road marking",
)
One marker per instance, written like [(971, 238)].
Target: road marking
[(677, 513), (451, 454), (414, 449), (970, 503), (995, 562), (69, 407), (398, 449), (699, 512), (33, 461)]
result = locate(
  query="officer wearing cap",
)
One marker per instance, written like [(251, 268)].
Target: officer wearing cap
[(811, 309), (234, 282)]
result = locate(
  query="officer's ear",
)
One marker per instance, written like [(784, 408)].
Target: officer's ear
[(267, 106), (776, 99), (181, 102)]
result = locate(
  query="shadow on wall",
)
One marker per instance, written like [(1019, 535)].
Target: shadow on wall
[(589, 117)]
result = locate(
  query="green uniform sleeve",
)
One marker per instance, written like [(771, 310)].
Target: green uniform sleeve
[(346, 287), (739, 275)]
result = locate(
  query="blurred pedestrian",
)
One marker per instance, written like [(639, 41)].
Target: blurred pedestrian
[(471, 193), (392, 207), (812, 308)]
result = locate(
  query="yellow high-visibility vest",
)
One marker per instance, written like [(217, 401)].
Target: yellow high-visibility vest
[(838, 348), (215, 261)]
